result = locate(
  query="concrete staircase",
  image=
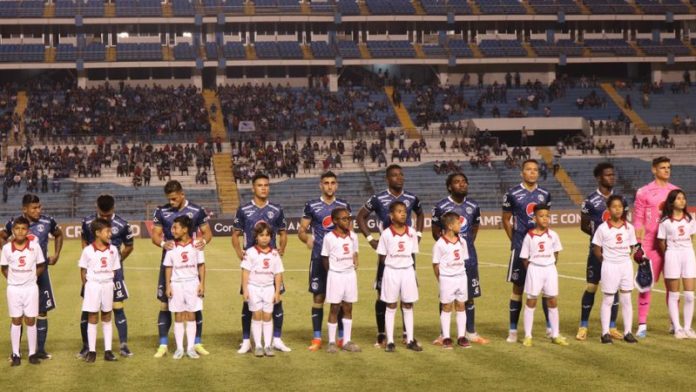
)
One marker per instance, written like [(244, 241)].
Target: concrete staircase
[(640, 124), (50, 55), (228, 194), (20, 108), (562, 176), (403, 115), (476, 51), (364, 52), (250, 52)]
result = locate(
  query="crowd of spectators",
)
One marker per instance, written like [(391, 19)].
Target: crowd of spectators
[(9, 122)]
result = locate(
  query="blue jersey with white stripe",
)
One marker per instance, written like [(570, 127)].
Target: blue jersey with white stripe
[(249, 215), (121, 233), (469, 216), (164, 217), (379, 203), (521, 202), (319, 214), (41, 228)]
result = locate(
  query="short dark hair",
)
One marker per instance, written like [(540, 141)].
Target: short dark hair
[(448, 218), (392, 167), (541, 207), (338, 210), (30, 198), (259, 176), (530, 160), (328, 174), (613, 198), (394, 204), (172, 186), (99, 224), (20, 220), (105, 203), (452, 176), (601, 167), (260, 227), (184, 221), (659, 160)]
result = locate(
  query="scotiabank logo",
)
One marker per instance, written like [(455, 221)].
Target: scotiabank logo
[(681, 231), (619, 239), (456, 255), (103, 262), (346, 249), (542, 246), (22, 261), (402, 246), (184, 257)]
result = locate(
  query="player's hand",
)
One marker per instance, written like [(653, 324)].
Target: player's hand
[(373, 244), (52, 260), (169, 245), (199, 244), (276, 298), (245, 295), (281, 251), (201, 290), (242, 256), (169, 292), (310, 242), (355, 264)]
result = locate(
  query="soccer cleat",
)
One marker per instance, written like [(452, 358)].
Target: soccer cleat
[(414, 346), (258, 352), (680, 334), (245, 347), (439, 341), (690, 334), (512, 336), (332, 349), (671, 329), (606, 339), (642, 332), (560, 340), (280, 346), (192, 354), (615, 334), (109, 356), (351, 347), (34, 360), (582, 334), (16, 360), (463, 342), (91, 357), (404, 338), (178, 354), (527, 342), (315, 345), (162, 350), (446, 343), (43, 355), (476, 338), (391, 347), (549, 332), (629, 338), (200, 349), (339, 342), (125, 351), (82, 353), (381, 341), (268, 351)]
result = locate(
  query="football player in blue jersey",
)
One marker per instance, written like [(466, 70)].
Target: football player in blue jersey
[(122, 239), (594, 212), (260, 209), (517, 218), (457, 185), (316, 222), (41, 227), (162, 236), (379, 204)]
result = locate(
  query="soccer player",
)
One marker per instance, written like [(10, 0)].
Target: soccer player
[(317, 217), (470, 218), (97, 265), (262, 279), (646, 218), (162, 236), (612, 243), (449, 264), (539, 254), (185, 285), (122, 239), (594, 213), (22, 262), (396, 249), (518, 210), (41, 227), (674, 237), (339, 253), (260, 209), (379, 204)]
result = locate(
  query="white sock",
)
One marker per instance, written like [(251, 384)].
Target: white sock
[(332, 332), (528, 321), (445, 318), (179, 335), (92, 336), (190, 334), (108, 331), (554, 320), (268, 333), (256, 328), (626, 311), (461, 324), (389, 316), (605, 312), (408, 321), (673, 307), (347, 329), (15, 334), (688, 309), (31, 339)]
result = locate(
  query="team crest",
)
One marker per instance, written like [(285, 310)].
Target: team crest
[(407, 203), (114, 230), (540, 198), (469, 210), (189, 214), (270, 214), (40, 228)]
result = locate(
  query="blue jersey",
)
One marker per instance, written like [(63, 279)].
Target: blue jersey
[(121, 233), (595, 206), (319, 214), (469, 215), (41, 229), (249, 215), (164, 217), (521, 203), (379, 203)]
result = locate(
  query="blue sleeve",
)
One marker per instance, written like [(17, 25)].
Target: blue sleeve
[(548, 199), (307, 212), (417, 207), (281, 223), (157, 217), (586, 207), (201, 218), (508, 202), (477, 216), (128, 235), (8, 227), (348, 207), (85, 231), (239, 218), (53, 226), (436, 215), (371, 203)]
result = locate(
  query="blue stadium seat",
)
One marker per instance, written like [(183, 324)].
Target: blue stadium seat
[(66, 52), (94, 52), (501, 7), (234, 50), (502, 48), (555, 49), (139, 52), (667, 46), (184, 51), (211, 51), (609, 47), (183, 8), (348, 50), (322, 50), (460, 48), (552, 7), (391, 49)]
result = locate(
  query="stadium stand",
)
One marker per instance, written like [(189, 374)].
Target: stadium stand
[(502, 48), (667, 46), (546, 7), (555, 49), (459, 48), (139, 52), (608, 7), (215, 7), (390, 7), (662, 6), (185, 51), (322, 50), (234, 50), (391, 49), (609, 47), (348, 49), (501, 7)]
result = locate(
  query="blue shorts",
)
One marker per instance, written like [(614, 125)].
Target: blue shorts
[(516, 272), (594, 269), (47, 301), (317, 276), (473, 283)]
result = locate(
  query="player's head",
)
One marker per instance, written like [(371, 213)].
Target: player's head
[(395, 177), (328, 183), (457, 184), (530, 171), (451, 221), (675, 201), (605, 175), (105, 206), (101, 228), (542, 216), (175, 194), (20, 228), (262, 234), (261, 186), (341, 218), (31, 206), (616, 207), (181, 227), (398, 213), (662, 168)]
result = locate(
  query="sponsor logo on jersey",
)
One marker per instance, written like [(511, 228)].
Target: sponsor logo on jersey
[(22, 261), (606, 215), (530, 209), (327, 223)]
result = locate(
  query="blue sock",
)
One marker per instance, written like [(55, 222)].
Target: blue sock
[(317, 320), (587, 303), (614, 311), (545, 307), (340, 323), (164, 322), (41, 333), (515, 308), (278, 319), (380, 312), (246, 321), (199, 327), (121, 325), (83, 328), (470, 317)]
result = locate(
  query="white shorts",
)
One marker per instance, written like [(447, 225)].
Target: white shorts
[(99, 297), (342, 287), (399, 283), (185, 297), (541, 279), (453, 288), (261, 298), (617, 276), (23, 300), (679, 263)]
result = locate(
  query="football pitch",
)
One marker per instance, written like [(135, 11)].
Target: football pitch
[(659, 362)]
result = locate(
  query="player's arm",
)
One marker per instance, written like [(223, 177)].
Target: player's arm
[(381, 259), (639, 208), (57, 245), (597, 251), (201, 278), (4, 271), (236, 244), (3, 236), (420, 222), (40, 268), (278, 278), (83, 275), (474, 232), (555, 255), (245, 284), (126, 251), (661, 246), (207, 234), (507, 224), (325, 262), (586, 223), (362, 226), (158, 238), (168, 280), (282, 241), (436, 269), (303, 233), (356, 262)]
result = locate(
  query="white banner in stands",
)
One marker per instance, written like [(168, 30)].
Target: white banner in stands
[(247, 126)]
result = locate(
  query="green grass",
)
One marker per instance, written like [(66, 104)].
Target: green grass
[(658, 363)]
